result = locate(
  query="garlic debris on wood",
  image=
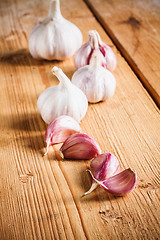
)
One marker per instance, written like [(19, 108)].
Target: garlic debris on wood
[(95, 81), (60, 129), (55, 38), (84, 53), (62, 99)]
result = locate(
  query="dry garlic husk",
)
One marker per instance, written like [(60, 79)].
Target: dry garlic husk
[(62, 99), (95, 81), (80, 146), (83, 55), (55, 38), (60, 129), (103, 166)]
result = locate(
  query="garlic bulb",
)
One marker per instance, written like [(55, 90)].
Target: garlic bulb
[(62, 99), (94, 80), (83, 55), (55, 37)]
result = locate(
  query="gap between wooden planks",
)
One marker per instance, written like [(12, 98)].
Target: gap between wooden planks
[(134, 28), (40, 196)]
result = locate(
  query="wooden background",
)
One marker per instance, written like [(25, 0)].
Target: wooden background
[(40, 196)]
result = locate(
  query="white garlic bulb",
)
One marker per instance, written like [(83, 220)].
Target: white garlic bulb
[(94, 80), (62, 99), (55, 38), (84, 53)]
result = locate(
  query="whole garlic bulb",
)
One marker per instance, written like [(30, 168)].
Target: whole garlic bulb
[(62, 99), (84, 53), (55, 38), (94, 80)]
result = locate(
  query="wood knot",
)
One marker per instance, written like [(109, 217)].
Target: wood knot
[(24, 178), (135, 23)]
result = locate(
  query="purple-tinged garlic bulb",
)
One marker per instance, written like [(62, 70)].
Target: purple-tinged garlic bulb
[(97, 83), (84, 53)]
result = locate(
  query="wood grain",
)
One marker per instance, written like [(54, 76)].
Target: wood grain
[(134, 28), (41, 196)]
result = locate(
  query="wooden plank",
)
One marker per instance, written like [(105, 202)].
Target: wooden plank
[(40, 196), (134, 28)]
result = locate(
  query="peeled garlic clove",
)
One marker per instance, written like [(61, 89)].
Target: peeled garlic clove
[(55, 37), (97, 83), (119, 184), (60, 129), (103, 166), (62, 99), (80, 146), (84, 53)]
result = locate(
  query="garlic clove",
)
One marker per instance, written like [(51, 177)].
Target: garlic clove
[(55, 38), (119, 184), (62, 99), (97, 83), (80, 146), (84, 53), (103, 166), (60, 129)]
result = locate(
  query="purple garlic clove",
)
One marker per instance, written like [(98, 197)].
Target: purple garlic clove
[(80, 146), (60, 129), (84, 54), (95, 81), (103, 166), (119, 184)]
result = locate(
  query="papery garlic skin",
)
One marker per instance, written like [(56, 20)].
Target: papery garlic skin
[(80, 146), (84, 53), (55, 38), (60, 129), (97, 83), (62, 99)]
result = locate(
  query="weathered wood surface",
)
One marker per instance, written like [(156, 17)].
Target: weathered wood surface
[(40, 196), (134, 27)]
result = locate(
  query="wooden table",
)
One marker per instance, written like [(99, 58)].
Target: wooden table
[(40, 196)]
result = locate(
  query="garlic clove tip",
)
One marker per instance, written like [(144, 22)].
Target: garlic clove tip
[(61, 154)]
